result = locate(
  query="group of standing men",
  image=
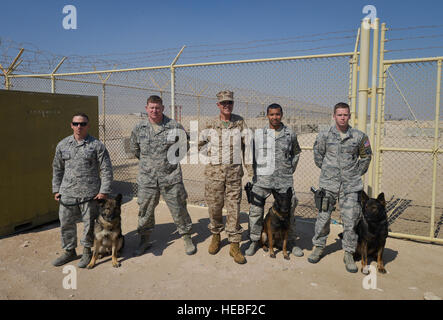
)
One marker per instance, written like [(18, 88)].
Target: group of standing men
[(83, 173)]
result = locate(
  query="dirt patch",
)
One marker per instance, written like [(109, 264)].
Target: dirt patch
[(166, 272)]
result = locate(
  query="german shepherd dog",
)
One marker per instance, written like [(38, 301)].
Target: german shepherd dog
[(108, 238), (372, 231), (276, 224)]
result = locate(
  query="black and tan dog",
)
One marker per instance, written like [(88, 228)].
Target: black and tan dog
[(372, 231), (108, 238), (276, 224)]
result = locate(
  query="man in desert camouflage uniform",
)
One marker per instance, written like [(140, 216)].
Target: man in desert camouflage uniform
[(150, 142), (82, 173), (278, 177), (343, 154), (224, 173)]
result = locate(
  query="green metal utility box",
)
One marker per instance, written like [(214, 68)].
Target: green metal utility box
[(32, 125)]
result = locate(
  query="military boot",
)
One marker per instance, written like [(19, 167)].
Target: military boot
[(190, 248), (86, 258), (253, 247), (348, 259), (67, 256), (296, 251), (235, 252), (143, 245), (316, 255), (214, 246)]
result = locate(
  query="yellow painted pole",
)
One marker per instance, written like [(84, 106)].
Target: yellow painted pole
[(11, 68), (364, 74), (53, 72), (417, 238), (46, 75), (380, 114), (354, 80), (173, 83), (402, 61), (435, 154), (373, 102), (104, 103)]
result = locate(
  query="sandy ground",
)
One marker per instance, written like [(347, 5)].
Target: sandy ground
[(166, 272)]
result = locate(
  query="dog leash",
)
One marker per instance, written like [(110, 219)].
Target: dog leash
[(76, 202)]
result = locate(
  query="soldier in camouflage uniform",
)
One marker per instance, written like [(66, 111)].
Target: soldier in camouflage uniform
[(286, 155), (159, 175), (224, 174), (82, 173), (343, 154)]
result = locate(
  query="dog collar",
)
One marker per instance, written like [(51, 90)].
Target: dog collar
[(277, 213)]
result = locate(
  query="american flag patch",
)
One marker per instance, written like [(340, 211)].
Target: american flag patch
[(367, 143)]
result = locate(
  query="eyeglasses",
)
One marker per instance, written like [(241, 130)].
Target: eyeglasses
[(226, 103), (82, 124)]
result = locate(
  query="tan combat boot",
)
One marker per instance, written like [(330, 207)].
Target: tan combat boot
[(235, 252), (214, 246)]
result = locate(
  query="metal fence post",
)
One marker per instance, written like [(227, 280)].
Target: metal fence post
[(53, 76), (373, 102), (353, 94), (173, 83), (104, 103), (11, 68), (435, 151), (380, 111), (364, 72)]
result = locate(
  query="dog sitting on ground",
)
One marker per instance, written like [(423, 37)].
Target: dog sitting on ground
[(108, 238), (372, 231), (276, 224)]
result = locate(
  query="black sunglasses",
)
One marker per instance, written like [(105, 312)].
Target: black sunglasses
[(82, 124)]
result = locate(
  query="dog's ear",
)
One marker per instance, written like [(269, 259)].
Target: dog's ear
[(381, 199), (364, 197), (118, 199), (101, 202), (275, 194), (289, 193)]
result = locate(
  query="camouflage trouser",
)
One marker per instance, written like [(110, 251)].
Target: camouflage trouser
[(350, 212), (256, 214), (69, 217), (175, 197), (217, 194)]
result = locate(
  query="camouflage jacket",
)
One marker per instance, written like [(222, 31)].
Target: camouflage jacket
[(81, 170), (286, 156), (226, 164), (151, 148), (342, 162)]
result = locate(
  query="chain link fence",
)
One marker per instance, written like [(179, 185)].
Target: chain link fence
[(408, 159), (409, 145), (307, 88)]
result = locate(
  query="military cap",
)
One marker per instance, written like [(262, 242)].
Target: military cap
[(225, 96)]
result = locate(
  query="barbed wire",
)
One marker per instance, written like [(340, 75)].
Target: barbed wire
[(416, 37), (35, 60), (416, 27)]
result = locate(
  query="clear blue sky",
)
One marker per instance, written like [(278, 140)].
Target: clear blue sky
[(132, 26)]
